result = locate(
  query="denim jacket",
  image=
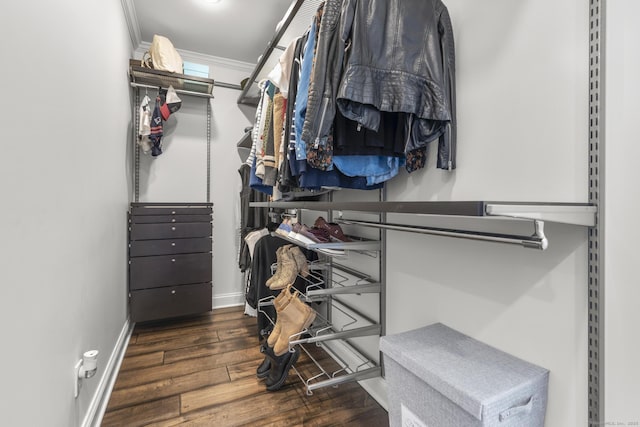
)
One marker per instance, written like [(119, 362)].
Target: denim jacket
[(302, 93)]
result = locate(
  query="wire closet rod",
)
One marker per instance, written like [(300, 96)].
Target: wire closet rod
[(289, 15), (186, 92), (227, 85), (215, 84), (536, 241)]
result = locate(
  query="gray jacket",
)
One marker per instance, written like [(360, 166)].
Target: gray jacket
[(400, 58)]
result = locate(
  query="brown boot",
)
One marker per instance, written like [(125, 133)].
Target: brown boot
[(279, 252), (295, 317), (280, 302), (287, 272), (301, 260)]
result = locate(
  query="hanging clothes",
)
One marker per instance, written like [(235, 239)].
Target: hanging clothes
[(267, 155), (264, 255), (156, 130), (288, 181), (265, 112), (250, 218), (327, 70), (279, 110), (400, 58), (303, 91), (144, 125)]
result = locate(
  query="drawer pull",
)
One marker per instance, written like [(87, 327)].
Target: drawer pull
[(173, 229), (173, 292), (173, 220), (173, 243), (173, 260), (173, 212)]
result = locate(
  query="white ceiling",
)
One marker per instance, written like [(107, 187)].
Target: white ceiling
[(232, 29)]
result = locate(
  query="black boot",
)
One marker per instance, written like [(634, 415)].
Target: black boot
[(280, 366), (263, 369)]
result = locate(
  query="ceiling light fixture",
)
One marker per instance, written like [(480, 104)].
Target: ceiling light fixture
[(213, 1)]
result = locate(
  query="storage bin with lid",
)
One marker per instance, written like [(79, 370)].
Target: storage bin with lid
[(439, 377)]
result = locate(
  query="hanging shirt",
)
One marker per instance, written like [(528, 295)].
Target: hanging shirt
[(156, 130), (303, 92), (144, 126), (376, 169)]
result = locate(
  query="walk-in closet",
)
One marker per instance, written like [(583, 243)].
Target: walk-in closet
[(320, 213)]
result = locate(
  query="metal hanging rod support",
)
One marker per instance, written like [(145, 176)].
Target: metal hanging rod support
[(352, 311), (227, 85), (350, 271), (354, 289), (356, 376), (537, 241), (357, 332), (291, 13), (185, 92)]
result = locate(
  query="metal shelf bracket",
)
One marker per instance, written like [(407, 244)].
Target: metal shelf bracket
[(565, 214)]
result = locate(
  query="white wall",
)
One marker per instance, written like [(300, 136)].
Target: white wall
[(63, 180), (621, 283), (179, 174), (522, 97)]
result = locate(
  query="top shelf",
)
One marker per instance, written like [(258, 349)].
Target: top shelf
[(566, 213), (182, 83)]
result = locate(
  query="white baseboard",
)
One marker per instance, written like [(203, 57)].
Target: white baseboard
[(228, 300), (345, 354), (98, 405), (377, 388)]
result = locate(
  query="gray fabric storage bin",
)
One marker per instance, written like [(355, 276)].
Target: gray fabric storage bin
[(439, 377)]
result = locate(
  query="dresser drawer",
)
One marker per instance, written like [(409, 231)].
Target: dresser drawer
[(139, 210), (173, 301), (157, 271), (169, 246), (170, 231), (155, 219)]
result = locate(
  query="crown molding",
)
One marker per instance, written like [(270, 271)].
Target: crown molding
[(132, 23), (202, 58)]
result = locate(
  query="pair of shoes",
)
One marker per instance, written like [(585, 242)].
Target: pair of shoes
[(290, 261), (271, 336), (294, 317), (333, 229), (279, 260), (279, 303), (280, 366), (297, 233), (317, 235), (285, 227), (295, 229), (264, 367)]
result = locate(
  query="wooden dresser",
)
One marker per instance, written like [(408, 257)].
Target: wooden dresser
[(170, 265)]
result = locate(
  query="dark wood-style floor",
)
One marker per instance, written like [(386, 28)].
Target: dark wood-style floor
[(201, 371)]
